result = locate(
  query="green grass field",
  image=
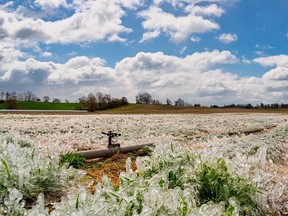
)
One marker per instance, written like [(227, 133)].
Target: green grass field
[(140, 109), (29, 105)]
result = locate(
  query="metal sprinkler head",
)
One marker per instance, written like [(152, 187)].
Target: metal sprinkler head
[(110, 135)]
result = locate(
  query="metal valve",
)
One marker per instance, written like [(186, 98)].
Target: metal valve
[(110, 135)]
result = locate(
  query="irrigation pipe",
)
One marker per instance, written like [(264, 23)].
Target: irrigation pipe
[(91, 154)]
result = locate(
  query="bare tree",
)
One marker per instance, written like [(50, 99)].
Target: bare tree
[(99, 98), (56, 100), (82, 103), (157, 102), (29, 96), (124, 101), (179, 102), (82, 99), (144, 98), (107, 98), (20, 97), (91, 103), (7, 95), (46, 98), (2, 94), (106, 101), (11, 100), (168, 102)]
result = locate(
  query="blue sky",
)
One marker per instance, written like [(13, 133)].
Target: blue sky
[(204, 51)]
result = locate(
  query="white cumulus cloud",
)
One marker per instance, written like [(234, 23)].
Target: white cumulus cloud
[(278, 73), (210, 10), (171, 75), (280, 64), (47, 54), (81, 69), (227, 38), (51, 3), (278, 60), (195, 39), (177, 28), (197, 78), (89, 21)]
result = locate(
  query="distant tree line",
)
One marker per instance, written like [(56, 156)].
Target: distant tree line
[(146, 98), (100, 101), (258, 106), (26, 96), (92, 102), (10, 99)]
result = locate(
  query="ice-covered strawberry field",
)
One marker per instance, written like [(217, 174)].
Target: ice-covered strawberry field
[(228, 164)]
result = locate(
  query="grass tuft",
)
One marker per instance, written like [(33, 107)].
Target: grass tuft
[(72, 159), (217, 185), (6, 168)]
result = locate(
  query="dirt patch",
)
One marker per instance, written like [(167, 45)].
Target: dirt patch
[(110, 166)]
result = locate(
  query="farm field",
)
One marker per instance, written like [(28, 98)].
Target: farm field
[(26, 107), (245, 153), (31, 105)]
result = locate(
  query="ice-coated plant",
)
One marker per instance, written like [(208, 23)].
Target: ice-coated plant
[(26, 172), (84, 132), (169, 182), (172, 181), (214, 183)]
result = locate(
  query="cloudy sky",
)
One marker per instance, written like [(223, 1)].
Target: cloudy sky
[(204, 51)]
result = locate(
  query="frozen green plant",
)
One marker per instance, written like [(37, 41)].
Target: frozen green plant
[(170, 182), (214, 183), (167, 182), (6, 168), (25, 172)]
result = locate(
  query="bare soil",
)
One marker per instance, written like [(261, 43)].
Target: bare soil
[(110, 166)]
